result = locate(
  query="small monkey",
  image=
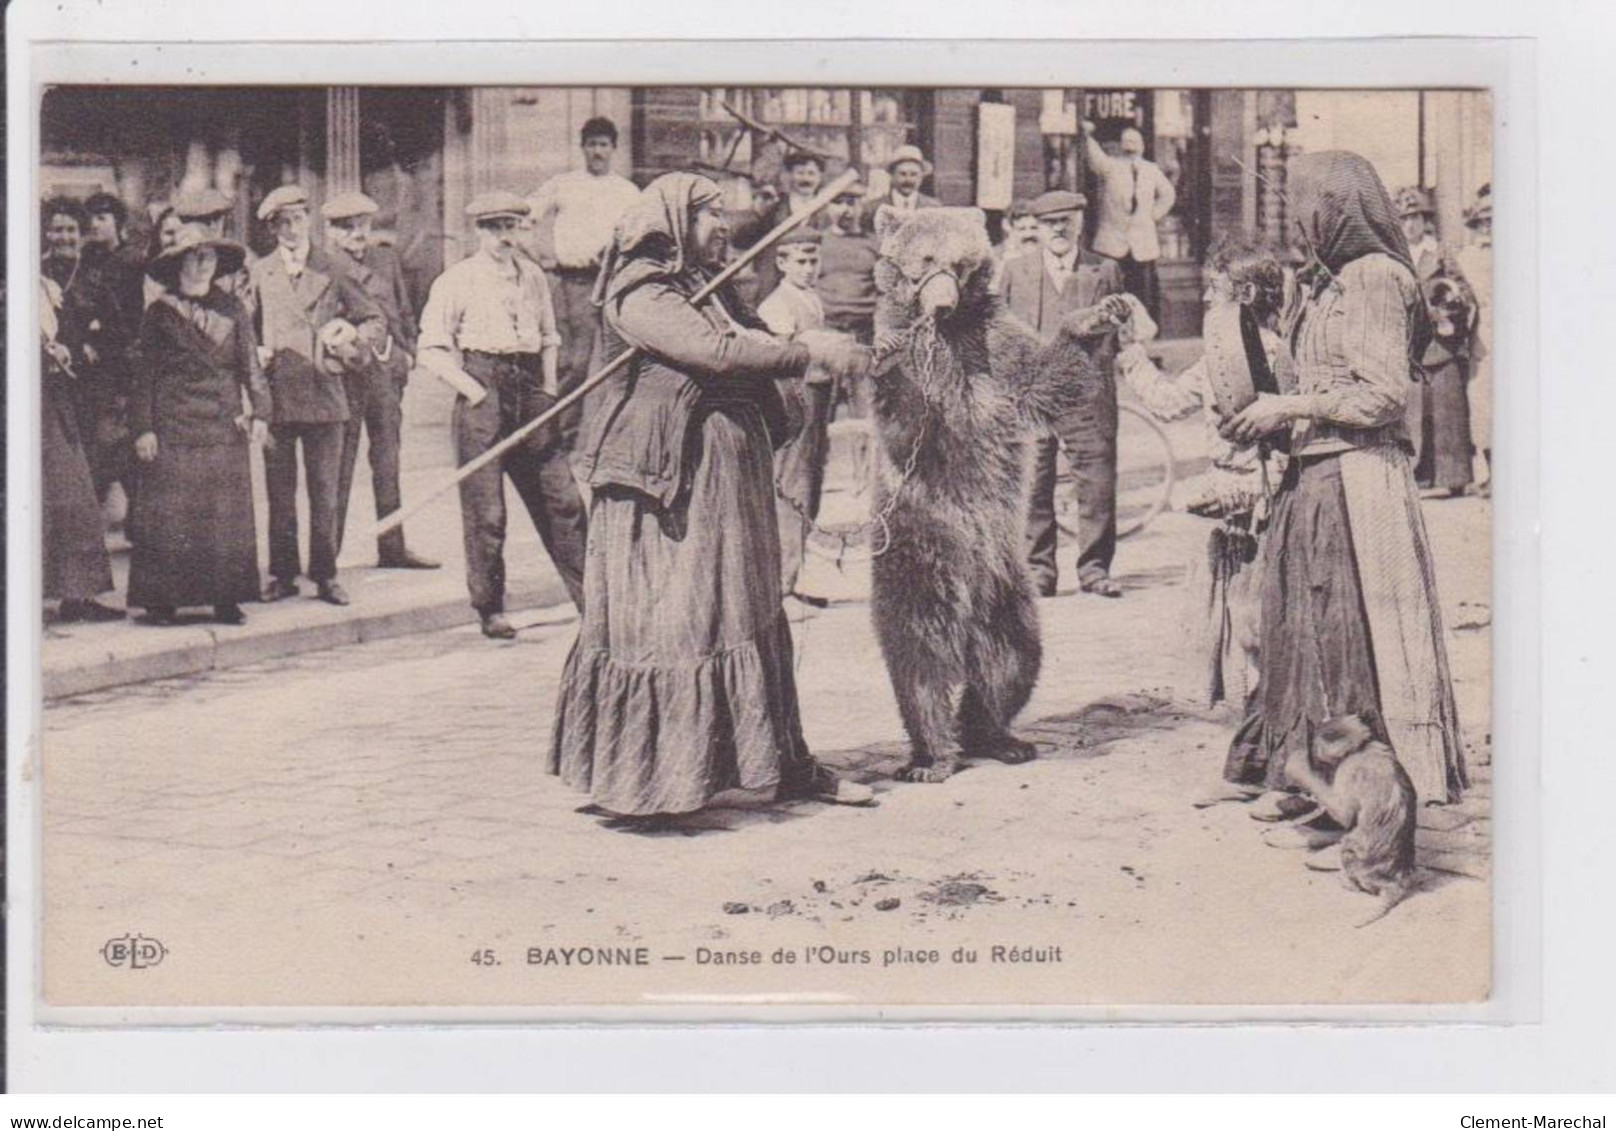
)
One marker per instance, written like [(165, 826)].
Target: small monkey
[(1369, 794)]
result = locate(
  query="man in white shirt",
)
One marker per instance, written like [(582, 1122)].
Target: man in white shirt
[(572, 217), (1135, 196), (490, 316), (800, 464)]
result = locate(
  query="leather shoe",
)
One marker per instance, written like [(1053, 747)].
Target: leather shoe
[(86, 611), (280, 589), (1102, 586), (332, 593), (406, 559), (496, 627), (229, 614)]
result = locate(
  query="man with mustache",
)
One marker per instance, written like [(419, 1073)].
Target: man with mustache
[(490, 315), (1043, 290)]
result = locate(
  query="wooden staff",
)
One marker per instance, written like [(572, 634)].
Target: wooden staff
[(830, 192)]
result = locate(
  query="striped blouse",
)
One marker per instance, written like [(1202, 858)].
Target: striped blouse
[(1352, 358)]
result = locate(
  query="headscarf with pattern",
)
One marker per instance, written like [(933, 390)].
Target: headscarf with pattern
[(651, 240), (1344, 209), (1345, 214)]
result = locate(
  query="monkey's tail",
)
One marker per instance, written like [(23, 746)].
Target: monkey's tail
[(1390, 896)]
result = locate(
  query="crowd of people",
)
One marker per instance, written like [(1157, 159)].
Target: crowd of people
[(676, 500)]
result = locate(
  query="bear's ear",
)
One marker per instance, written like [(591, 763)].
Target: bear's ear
[(887, 221)]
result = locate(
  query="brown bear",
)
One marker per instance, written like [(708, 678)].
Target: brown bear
[(958, 386)]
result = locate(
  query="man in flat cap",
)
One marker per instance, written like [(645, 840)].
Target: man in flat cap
[(207, 207), (302, 303), (210, 209), (376, 389), (490, 316), (1042, 290)]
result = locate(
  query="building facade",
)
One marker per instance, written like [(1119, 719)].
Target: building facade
[(423, 152)]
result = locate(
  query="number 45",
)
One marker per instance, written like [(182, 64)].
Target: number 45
[(484, 958)]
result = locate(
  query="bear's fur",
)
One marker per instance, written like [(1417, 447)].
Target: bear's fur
[(953, 603)]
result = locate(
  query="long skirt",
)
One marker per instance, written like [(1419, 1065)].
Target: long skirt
[(192, 529), (1350, 625), (1446, 448), (680, 683), (76, 563)]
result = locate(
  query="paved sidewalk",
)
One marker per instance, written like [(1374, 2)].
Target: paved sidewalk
[(78, 658)]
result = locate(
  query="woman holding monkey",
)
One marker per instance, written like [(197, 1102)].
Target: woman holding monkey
[(1350, 618)]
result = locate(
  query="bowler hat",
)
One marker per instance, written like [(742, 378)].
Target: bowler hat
[(349, 205), (201, 204), (287, 196), (494, 205), (1058, 201), (910, 153), (166, 267)]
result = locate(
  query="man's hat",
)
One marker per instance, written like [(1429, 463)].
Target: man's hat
[(202, 204), (910, 153), (166, 267), (1411, 201), (348, 206), (799, 237), (1481, 209), (1059, 201), (494, 205), (802, 157), (287, 196)]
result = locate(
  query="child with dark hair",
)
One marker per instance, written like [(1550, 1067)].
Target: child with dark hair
[(1245, 294)]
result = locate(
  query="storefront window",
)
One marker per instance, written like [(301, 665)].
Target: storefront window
[(848, 127)]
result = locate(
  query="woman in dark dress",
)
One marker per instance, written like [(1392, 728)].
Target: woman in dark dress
[(195, 542), (680, 684), (76, 566)]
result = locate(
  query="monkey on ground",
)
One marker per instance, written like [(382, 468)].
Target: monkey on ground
[(1368, 793)]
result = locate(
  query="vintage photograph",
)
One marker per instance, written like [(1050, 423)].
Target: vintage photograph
[(764, 548)]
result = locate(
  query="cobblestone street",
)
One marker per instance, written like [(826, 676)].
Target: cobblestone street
[(352, 826)]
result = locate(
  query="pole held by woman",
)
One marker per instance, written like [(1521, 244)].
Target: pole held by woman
[(830, 192)]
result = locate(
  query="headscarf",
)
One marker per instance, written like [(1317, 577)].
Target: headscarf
[(1345, 213), (1344, 209), (650, 241)]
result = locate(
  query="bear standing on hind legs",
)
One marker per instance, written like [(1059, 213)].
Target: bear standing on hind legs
[(959, 388)]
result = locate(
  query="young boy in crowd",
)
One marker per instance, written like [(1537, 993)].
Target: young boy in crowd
[(791, 308)]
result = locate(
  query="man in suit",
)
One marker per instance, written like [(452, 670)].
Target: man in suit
[(296, 293), (1135, 196), (376, 389), (1043, 290), (905, 172)]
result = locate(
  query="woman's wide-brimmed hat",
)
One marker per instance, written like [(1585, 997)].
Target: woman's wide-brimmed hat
[(166, 267)]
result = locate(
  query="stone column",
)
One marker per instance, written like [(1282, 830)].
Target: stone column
[(341, 140)]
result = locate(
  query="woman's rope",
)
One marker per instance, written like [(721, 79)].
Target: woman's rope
[(830, 192)]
